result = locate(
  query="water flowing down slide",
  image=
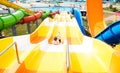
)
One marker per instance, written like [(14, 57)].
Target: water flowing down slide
[(14, 6), (75, 54), (11, 19)]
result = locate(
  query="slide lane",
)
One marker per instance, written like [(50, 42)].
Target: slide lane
[(42, 32), (46, 57), (8, 63), (14, 6), (87, 55), (8, 60)]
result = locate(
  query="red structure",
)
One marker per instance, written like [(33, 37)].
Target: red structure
[(35, 17), (53, 13), (31, 18)]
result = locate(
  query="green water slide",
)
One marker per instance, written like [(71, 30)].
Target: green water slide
[(11, 19), (45, 14)]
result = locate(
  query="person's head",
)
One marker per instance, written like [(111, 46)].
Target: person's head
[(59, 40), (55, 39)]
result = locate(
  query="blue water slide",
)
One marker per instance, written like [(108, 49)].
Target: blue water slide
[(78, 17), (111, 34)]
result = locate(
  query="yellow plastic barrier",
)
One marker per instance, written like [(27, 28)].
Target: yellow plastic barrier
[(7, 58)]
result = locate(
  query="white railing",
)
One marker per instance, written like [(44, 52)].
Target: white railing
[(68, 56)]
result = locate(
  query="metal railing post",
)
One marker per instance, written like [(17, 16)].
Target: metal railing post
[(36, 23), (68, 56), (18, 59), (14, 30), (28, 28)]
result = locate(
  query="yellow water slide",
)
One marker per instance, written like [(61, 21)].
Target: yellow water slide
[(95, 16), (42, 56), (14, 6), (75, 54), (88, 55), (45, 56)]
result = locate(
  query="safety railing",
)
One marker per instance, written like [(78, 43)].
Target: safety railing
[(68, 56), (6, 49)]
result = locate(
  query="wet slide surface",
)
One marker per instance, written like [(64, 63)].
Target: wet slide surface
[(39, 55)]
